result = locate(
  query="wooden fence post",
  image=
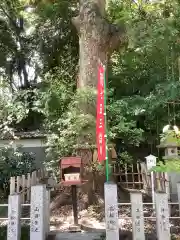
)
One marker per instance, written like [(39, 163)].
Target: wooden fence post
[(178, 192), (111, 211), (28, 186), (162, 216), (137, 216), (12, 185), (14, 214), (47, 210), (38, 214)]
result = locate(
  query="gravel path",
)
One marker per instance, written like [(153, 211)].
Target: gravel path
[(77, 236)]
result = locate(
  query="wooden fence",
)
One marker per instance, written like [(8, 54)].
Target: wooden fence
[(22, 184), (136, 176)]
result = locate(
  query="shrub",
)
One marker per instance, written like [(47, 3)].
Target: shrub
[(13, 162), (24, 233)]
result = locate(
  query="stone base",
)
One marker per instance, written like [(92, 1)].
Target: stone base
[(75, 228)]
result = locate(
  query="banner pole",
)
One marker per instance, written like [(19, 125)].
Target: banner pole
[(106, 132)]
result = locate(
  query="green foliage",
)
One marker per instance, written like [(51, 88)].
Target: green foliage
[(13, 162), (141, 79), (170, 165), (170, 137), (125, 157), (25, 233), (72, 127)]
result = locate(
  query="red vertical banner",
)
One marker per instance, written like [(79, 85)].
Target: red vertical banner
[(100, 118)]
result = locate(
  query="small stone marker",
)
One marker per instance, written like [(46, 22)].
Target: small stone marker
[(111, 211), (162, 216), (14, 213), (38, 214), (137, 216)]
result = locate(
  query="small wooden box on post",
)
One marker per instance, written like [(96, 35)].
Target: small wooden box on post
[(71, 171), (71, 175)]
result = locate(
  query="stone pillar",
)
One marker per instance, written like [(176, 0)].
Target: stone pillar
[(111, 211), (14, 214), (38, 214), (162, 216), (137, 216)]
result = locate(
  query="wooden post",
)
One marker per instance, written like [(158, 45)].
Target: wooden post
[(137, 216), (126, 176), (23, 188), (167, 185), (144, 177), (111, 211), (139, 175), (28, 186), (33, 178), (178, 192), (47, 210), (162, 216), (18, 183), (74, 203), (37, 225), (14, 213), (12, 185)]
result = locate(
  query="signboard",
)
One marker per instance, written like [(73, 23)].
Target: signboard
[(111, 211), (150, 162)]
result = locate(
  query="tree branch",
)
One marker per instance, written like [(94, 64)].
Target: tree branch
[(118, 37), (76, 23)]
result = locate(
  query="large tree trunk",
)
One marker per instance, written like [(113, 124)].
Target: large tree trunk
[(97, 39)]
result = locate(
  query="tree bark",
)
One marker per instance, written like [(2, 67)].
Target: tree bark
[(97, 40)]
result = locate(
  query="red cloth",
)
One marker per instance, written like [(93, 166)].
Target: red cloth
[(100, 118)]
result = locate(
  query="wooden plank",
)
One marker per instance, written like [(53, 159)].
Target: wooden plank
[(163, 176), (47, 210), (28, 186), (132, 168), (167, 185), (12, 185), (124, 183), (139, 175), (162, 216), (33, 178), (128, 173), (144, 177), (23, 194), (158, 181), (178, 192), (126, 177), (18, 183), (137, 216)]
